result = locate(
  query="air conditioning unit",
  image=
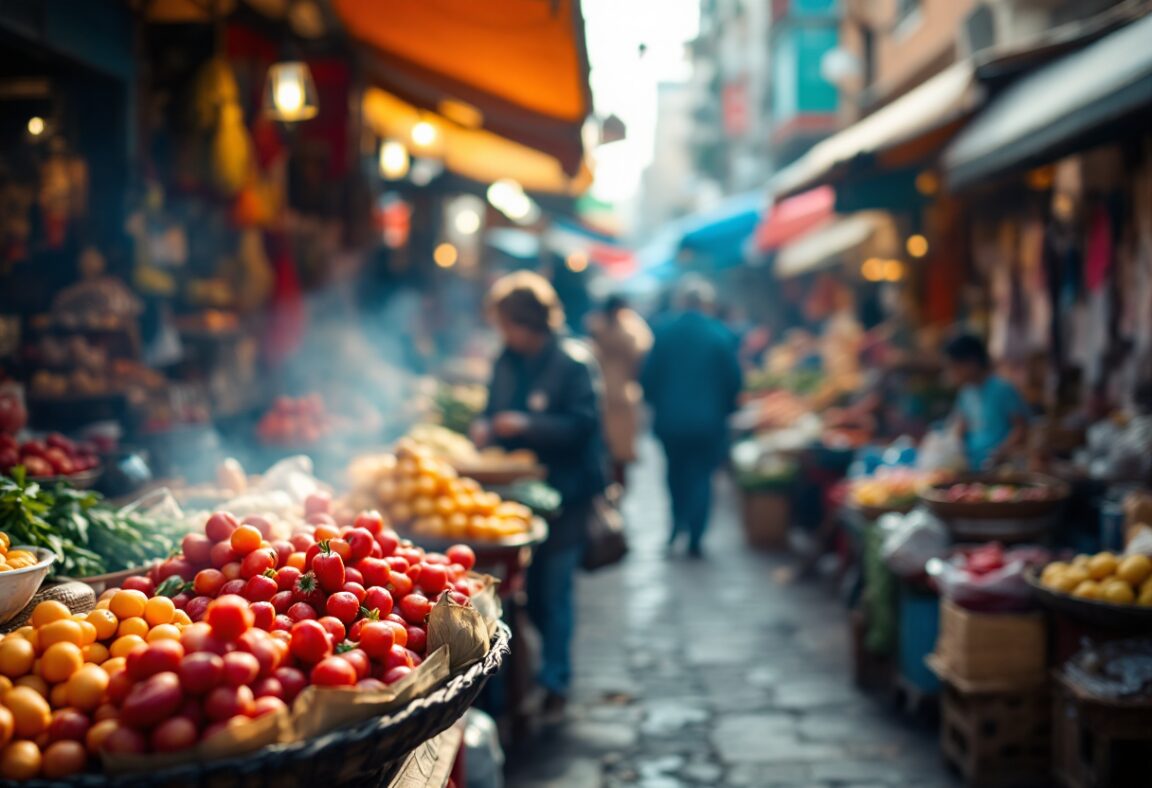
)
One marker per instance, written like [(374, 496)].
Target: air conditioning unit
[(978, 32)]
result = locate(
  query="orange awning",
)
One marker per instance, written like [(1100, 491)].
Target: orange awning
[(520, 67), (473, 153)]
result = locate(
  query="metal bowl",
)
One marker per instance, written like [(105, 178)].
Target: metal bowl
[(1125, 618)]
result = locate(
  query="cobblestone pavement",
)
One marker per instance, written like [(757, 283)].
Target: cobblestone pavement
[(707, 673)]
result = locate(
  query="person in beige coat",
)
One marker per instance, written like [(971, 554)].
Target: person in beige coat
[(622, 339)]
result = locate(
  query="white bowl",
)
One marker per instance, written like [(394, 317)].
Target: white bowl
[(18, 586)]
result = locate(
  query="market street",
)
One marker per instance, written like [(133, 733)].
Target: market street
[(709, 673)]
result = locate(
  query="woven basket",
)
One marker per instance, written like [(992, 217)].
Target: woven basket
[(369, 754)]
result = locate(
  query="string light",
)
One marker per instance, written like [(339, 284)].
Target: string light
[(445, 255), (917, 245), (394, 160), (35, 126)]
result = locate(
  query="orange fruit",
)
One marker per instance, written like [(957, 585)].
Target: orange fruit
[(98, 733), (48, 611), (64, 758), (163, 632), (125, 645), (60, 661), (30, 712), (20, 760), (159, 610), (58, 696), (86, 687), (96, 653), (105, 622), (181, 619), (133, 626), (17, 656), (34, 682), (245, 539), (128, 603), (114, 665), (7, 726), (63, 631)]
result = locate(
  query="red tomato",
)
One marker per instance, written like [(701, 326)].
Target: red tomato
[(433, 579), (122, 740), (286, 577), (263, 615), (139, 583), (260, 588), (371, 521), (308, 590), (413, 555), (257, 563), (374, 570), (388, 540), (264, 648), (353, 575), (397, 564), (282, 623), (68, 725), (360, 541), (268, 705), (226, 702), (310, 642), (119, 685), (301, 542), (400, 585), (415, 608), (229, 616), (152, 701), (318, 503), (344, 606), (292, 680), (261, 524), (392, 675), (461, 599), (181, 600), (208, 582), (197, 607), (358, 660), (221, 553), (161, 656), (371, 685), (220, 526), (197, 548), (200, 637), (462, 554), (399, 632), (302, 611), (398, 656), (328, 567), (417, 639), (335, 628), (281, 601), (377, 639), (201, 672), (283, 548), (173, 735), (231, 570), (175, 566), (356, 590), (234, 587), (240, 667), (378, 599), (436, 558), (268, 687), (333, 672)]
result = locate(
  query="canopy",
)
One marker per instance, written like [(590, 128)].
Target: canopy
[(827, 245), (474, 153), (518, 68), (794, 216), (721, 233), (1058, 107), (920, 119)]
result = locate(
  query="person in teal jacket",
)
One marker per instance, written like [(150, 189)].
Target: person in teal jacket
[(991, 417), (692, 380)]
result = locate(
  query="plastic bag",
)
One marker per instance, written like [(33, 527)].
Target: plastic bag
[(911, 540), (998, 589), (941, 450)]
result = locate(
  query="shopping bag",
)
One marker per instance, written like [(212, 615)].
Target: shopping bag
[(605, 543)]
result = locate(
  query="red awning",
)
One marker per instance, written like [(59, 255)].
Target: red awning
[(791, 218)]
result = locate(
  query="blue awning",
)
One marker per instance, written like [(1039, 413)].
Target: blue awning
[(721, 234)]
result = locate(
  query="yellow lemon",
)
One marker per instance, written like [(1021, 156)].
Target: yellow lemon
[(1063, 582), (1081, 560), (1118, 592), (1135, 569), (1054, 568), (1076, 575), (1145, 596), (1089, 589), (1102, 565)]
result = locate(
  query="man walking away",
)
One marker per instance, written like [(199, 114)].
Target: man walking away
[(692, 380)]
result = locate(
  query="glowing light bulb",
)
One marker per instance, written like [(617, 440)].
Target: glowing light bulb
[(35, 126), (445, 255), (917, 245), (467, 222), (424, 134), (394, 160)]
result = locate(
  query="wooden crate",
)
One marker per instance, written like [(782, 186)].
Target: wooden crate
[(999, 738), (1005, 648), (1100, 743), (766, 516)]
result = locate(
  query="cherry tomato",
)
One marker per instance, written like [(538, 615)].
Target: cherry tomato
[(286, 577), (260, 588), (220, 526), (328, 567), (245, 539), (197, 607), (151, 701), (370, 521), (344, 606), (360, 541), (310, 642), (461, 599), (225, 702), (400, 585), (356, 590), (377, 639), (301, 542), (335, 628), (283, 548), (415, 608), (374, 570), (268, 705), (357, 659), (229, 616), (302, 611), (139, 583), (371, 685), (317, 503), (208, 582), (201, 672), (399, 632), (282, 623), (388, 540), (281, 601), (175, 567), (163, 656), (353, 575), (222, 554), (173, 735), (378, 599), (397, 564), (68, 725), (240, 667), (333, 672), (268, 687), (292, 680), (197, 548), (433, 579), (392, 675), (417, 639), (234, 587), (261, 524), (462, 554), (263, 615), (308, 590), (257, 562), (264, 648)]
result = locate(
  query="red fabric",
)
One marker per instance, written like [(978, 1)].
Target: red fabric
[(1099, 253), (794, 217), (287, 316)]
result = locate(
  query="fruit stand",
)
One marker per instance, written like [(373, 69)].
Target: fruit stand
[(299, 645)]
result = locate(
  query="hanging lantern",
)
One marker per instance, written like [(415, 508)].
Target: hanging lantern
[(290, 93)]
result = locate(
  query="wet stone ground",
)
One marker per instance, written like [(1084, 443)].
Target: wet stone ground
[(708, 673)]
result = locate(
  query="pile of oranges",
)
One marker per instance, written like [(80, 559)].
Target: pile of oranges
[(425, 496), (55, 673), (14, 559)]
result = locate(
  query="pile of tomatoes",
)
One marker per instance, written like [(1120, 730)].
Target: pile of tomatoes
[(231, 629), (295, 422)]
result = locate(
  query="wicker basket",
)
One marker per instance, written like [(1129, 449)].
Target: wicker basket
[(370, 754)]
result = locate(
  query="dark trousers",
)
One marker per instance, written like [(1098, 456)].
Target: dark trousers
[(691, 463)]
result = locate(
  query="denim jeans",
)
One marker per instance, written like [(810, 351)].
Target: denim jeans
[(691, 463), (551, 607)]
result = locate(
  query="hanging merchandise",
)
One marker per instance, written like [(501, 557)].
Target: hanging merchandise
[(231, 151), (217, 120), (63, 192), (1099, 251)]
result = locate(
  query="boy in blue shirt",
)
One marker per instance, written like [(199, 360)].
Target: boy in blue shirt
[(991, 416)]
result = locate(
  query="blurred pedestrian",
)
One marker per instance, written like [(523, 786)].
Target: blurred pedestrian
[(692, 380), (991, 418), (621, 339), (544, 397)]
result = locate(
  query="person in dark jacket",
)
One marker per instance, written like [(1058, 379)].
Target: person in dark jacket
[(692, 380), (544, 397)]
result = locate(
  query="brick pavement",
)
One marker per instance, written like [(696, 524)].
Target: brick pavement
[(706, 673)]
